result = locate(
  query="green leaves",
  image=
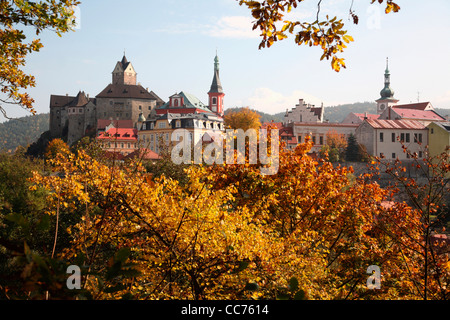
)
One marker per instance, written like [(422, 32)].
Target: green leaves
[(48, 14)]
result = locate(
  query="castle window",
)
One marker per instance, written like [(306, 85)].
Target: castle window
[(214, 100)]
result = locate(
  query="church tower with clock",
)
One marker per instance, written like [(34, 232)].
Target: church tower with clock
[(387, 94)]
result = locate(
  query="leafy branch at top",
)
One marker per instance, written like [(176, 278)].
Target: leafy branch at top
[(328, 34)]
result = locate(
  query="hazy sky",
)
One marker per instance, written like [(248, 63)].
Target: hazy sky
[(172, 44)]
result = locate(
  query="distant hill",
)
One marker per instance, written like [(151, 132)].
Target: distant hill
[(22, 131)]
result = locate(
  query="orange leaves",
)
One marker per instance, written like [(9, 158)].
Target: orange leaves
[(326, 33)]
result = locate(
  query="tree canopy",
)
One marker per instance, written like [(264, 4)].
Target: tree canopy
[(15, 16)]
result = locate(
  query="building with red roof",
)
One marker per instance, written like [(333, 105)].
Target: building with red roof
[(119, 140), (386, 138)]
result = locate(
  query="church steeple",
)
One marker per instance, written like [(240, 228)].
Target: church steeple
[(216, 85), (387, 94), (216, 93)]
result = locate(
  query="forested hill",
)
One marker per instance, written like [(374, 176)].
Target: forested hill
[(22, 131)]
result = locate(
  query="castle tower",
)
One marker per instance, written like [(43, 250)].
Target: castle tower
[(387, 94), (124, 73), (216, 93)]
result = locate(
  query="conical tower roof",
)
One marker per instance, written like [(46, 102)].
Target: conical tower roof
[(216, 86)]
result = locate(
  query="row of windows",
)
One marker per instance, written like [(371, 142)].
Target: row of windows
[(321, 140), (394, 155), (165, 136), (404, 137), (121, 145), (162, 125)]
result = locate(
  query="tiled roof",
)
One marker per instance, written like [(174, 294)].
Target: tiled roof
[(369, 116), (279, 125), (395, 124), (119, 134), (126, 91), (62, 101), (145, 154), (418, 114), (416, 106)]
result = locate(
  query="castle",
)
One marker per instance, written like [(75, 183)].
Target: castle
[(123, 100)]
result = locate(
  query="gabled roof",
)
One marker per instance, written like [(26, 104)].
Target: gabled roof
[(362, 116), (190, 101), (145, 154), (126, 91), (417, 106), (418, 114), (63, 101), (395, 124)]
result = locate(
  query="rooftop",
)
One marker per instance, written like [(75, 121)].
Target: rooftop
[(396, 124), (119, 134)]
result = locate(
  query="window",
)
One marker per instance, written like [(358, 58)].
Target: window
[(167, 137), (381, 136), (144, 126), (393, 155), (420, 154), (393, 136), (178, 124), (432, 131), (321, 140), (407, 137), (151, 137), (314, 139), (299, 139), (402, 137), (214, 100), (140, 107), (418, 137), (175, 103), (162, 125), (128, 145), (381, 155)]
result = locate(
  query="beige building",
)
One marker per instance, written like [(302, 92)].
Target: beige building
[(439, 138), (157, 132), (383, 138), (304, 112), (318, 132)]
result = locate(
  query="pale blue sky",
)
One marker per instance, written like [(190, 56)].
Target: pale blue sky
[(172, 44)]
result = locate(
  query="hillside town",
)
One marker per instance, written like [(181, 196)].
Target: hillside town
[(126, 117)]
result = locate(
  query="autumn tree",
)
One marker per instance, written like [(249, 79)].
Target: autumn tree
[(328, 33), (335, 147), (243, 119), (420, 232), (56, 16)]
